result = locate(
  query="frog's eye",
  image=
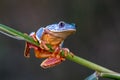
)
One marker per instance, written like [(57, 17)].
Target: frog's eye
[(61, 24)]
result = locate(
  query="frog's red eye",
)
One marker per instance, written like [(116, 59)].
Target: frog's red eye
[(61, 24)]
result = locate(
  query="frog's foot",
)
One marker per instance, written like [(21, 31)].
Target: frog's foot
[(33, 35), (56, 52), (43, 45), (67, 51), (51, 62), (27, 50)]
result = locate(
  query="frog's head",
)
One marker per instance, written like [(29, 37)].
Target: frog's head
[(62, 29)]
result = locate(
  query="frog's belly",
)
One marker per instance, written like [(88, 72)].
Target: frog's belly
[(39, 53), (51, 39)]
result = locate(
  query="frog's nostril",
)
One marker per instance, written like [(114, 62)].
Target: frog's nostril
[(61, 24), (73, 24)]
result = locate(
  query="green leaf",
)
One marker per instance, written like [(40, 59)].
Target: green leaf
[(16, 34), (10, 32), (93, 76)]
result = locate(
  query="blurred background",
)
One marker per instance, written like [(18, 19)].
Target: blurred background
[(97, 38)]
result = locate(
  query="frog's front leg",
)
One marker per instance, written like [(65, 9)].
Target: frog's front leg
[(58, 50), (66, 52), (39, 52), (43, 45), (39, 34)]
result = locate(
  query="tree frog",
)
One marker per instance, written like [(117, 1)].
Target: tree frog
[(53, 35)]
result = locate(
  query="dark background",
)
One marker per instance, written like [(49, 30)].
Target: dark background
[(97, 38)]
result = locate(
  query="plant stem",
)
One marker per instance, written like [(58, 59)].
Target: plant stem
[(88, 64), (104, 72), (111, 76)]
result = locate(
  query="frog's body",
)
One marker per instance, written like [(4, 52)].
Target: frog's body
[(53, 35), (52, 40)]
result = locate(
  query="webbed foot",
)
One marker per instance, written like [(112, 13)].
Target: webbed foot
[(51, 62), (67, 51)]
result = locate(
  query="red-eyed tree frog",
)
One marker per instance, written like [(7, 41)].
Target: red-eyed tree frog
[(53, 35)]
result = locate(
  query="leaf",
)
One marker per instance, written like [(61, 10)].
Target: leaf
[(93, 76), (16, 34), (10, 32)]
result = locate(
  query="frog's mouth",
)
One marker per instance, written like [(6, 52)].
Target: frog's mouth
[(61, 34)]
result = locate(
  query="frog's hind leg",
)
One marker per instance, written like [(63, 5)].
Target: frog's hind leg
[(29, 45), (51, 62), (39, 53), (54, 59), (27, 50)]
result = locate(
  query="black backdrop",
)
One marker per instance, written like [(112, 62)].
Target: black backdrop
[(97, 38)]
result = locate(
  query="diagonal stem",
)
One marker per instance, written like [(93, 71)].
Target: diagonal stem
[(88, 64)]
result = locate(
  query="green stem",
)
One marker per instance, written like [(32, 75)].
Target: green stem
[(111, 76), (88, 64), (14, 33), (105, 72)]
